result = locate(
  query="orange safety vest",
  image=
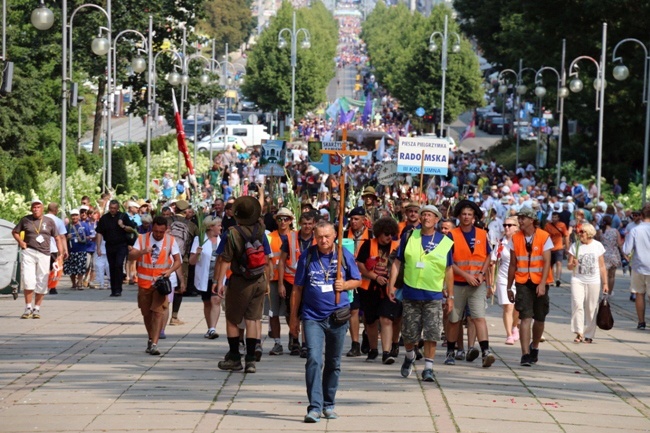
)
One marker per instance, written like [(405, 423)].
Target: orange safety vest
[(291, 263), (531, 265), (276, 249), (464, 258), (358, 242), (374, 253), (148, 271), (400, 228)]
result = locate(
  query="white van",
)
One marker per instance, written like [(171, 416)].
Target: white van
[(251, 134)]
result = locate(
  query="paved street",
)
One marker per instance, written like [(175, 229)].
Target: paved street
[(83, 368)]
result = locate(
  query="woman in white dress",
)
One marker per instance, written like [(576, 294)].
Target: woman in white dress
[(501, 258), (204, 258), (587, 261)]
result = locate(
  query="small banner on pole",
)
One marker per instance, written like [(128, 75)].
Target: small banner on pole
[(273, 156), (431, 154)]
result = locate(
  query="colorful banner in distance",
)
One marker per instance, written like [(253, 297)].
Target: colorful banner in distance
[(273, 158), (328, 164), (436, 155)]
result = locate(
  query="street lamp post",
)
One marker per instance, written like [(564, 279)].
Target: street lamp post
[(621, 72), (576, 85), (455, 49), (562, 92), (282, 43), (520, 89), (42, 18)]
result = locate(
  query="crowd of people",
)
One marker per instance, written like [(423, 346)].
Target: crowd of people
[(415, 267)]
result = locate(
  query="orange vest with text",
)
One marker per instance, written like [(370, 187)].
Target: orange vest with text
[(531, 265), (291, 263), (464, 258), (148, 271)]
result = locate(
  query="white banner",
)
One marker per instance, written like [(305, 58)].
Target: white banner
[(436, 155)]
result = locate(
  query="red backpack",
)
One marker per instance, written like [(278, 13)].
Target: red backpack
[(253, 260)]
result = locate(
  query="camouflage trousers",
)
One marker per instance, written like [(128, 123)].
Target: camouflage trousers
[(421, 318)]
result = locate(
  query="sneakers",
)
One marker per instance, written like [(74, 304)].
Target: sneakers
[(525, 360), (175, 321), (154, 350), (231, 364), (372, 355), (53, 292), (428, 376), (534, 354), (407, 367), (27, 314), (355, 350), (460, 355), (295, 350), (510, 340), (450, 359), (365, 343), (329, 413), (488, 359), (472, 354), (149, 344), (387, 358), (641, 325), (303, 352), (277, 349), (515, 333), (211, 334), (250, 367), (36, 314), (312, 417), (258, 353)]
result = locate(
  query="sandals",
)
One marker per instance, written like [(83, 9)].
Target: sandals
[(589, 340), (579, 339)]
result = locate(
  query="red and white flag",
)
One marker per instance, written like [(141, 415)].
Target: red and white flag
[(470, 131)]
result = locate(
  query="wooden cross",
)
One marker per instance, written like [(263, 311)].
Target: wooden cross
[(342, 153)]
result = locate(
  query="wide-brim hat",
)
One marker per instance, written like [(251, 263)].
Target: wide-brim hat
[(478, 213), (247, 210), (430, 208), (527, 212), (182, 205), (369, 191), (414, 204)]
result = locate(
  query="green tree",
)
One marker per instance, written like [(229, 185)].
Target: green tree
[(398, 45), (227, 22), (268, 70)]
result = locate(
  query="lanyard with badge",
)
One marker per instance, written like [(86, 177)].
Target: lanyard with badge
[(40, 239), (327, 287)]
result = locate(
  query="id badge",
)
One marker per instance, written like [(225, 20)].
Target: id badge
[(327, 288), (419, 265), (40, 239)]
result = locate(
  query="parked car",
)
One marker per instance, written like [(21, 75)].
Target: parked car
[(234, 119), (88, 145), (202, 126), (218, 143), (251, 134), (246, 105), (487, 119), (498, 125)]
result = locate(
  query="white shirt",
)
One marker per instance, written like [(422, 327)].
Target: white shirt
[(637, 241), (202, 267), (502, 272), (588, 270), (495, 231), (60, 227)]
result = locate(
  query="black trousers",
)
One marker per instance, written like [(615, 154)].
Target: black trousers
[(116, 254)]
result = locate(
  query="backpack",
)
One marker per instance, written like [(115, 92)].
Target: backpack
[(180, 188), (180, 230), (253, 260)]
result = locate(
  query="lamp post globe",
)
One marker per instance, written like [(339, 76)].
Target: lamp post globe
[(540, 91), (174, 78), (100, 46), (305, 45), (576, 85), (204, 79), (282, 44), (42, 17), (563, 92), (185, 79), (522, 89), (597, 84), (433, 47), (455, 48), (621, 72), (138, 64), (153, 76), (503, 88)]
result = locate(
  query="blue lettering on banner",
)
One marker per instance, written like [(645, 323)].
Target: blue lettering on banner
[(415, 169), (427, 158)]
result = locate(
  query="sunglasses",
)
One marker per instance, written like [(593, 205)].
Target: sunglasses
[(509, 225), (283, 219)]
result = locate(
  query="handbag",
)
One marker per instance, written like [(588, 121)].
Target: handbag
[(341, 316), (604, 319), (163, 285)]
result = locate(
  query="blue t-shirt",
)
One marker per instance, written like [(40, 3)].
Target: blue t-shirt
[(318, 283), (429, 242), (90, 246), (80, 234)]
